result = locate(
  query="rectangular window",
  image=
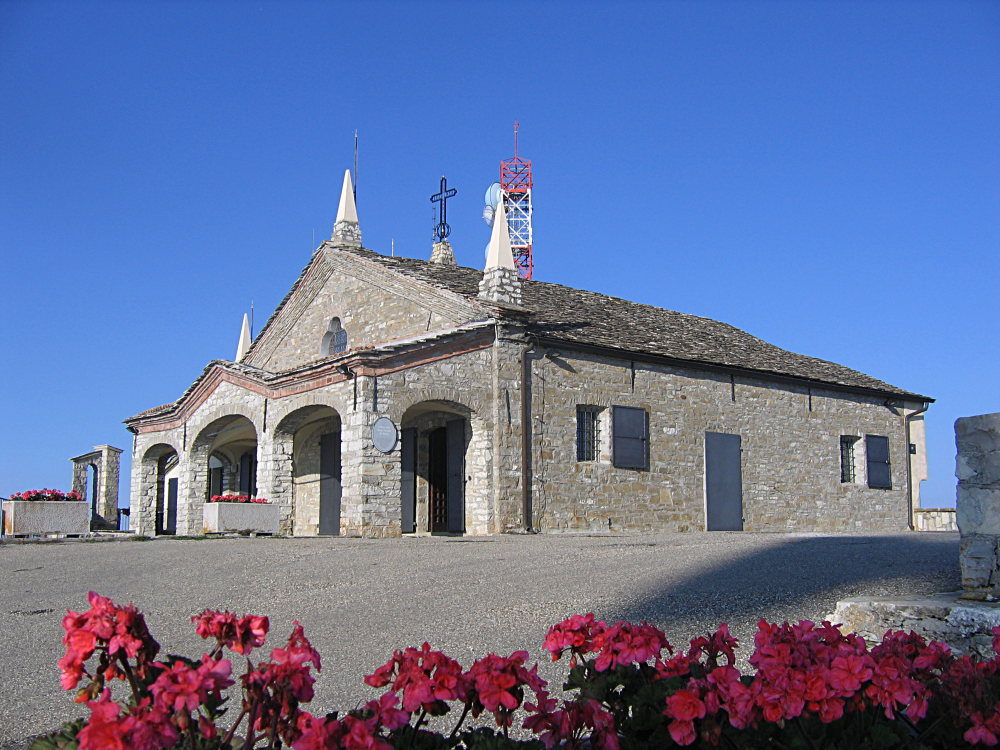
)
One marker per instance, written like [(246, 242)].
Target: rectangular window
[(877, 457), (847, 443), (588, 425), (630, 438)]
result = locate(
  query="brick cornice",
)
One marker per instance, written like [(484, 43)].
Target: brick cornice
[(308, 378)]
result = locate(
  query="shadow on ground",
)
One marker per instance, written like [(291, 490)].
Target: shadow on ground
[(804, 577)]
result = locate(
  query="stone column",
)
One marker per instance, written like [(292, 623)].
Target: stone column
[(369, 478), (274, 476), (507, 429), (142, 498), (978, 504), (191, 490)]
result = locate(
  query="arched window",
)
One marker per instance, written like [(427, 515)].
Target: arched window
[(335, 339)]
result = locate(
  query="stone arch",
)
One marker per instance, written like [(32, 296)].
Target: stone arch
[(234, 434), (203, 419), (467, 400), (444, 466), (159, 485), (95, 477), (282, 408), (234, 437), (306, 450)]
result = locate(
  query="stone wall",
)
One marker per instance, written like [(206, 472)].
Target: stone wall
[(791, 478), (393, 307), (790, 442), (935, 519), (978, 504)]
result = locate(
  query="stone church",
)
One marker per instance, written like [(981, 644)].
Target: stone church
[(389, 396)]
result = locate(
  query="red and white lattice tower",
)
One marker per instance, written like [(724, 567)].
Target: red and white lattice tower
[(515, 187)]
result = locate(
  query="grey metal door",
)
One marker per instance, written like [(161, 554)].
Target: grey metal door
[(456, 474), (171, 526), (329, 483), (407, 483), (723, 482)]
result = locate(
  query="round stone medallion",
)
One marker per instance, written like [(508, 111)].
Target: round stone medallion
[(384, 434)]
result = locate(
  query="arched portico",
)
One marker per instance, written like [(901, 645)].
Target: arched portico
[(435, 439), (159, 490), (223, 456), (306, 446)]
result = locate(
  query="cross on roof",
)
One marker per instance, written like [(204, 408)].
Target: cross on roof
[(442, 230)]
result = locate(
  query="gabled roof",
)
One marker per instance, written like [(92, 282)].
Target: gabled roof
[(585, 318)]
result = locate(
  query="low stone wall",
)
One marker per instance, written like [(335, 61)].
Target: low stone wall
[(965, 626), (261, 518), (935, 519), (46, 517)]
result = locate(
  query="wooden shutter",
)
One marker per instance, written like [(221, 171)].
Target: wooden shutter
[(877, 453), (630, 437)]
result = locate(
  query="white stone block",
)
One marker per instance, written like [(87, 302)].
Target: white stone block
[(46, 517), (261, 518)]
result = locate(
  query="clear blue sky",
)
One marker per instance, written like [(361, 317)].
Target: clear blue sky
[(823, 175)]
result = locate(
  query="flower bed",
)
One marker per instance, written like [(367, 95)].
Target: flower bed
[(258, 515), (237, 499), (46, 495), (628, 688), (38, 512)]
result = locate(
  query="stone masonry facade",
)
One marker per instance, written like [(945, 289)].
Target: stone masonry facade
[(790, 439), (429, 356), (790, 442)]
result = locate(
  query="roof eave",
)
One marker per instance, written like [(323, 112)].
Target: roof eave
[(729, 369)]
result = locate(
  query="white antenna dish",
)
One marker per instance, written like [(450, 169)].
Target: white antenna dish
[(493, 195), (492, 200)]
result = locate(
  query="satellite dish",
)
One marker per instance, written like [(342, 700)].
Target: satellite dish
[(488, 214), (493, 195)]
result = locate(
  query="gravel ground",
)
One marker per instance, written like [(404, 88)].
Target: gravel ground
[(358, 599)]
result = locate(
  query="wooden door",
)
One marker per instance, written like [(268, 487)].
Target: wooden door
[(329, 484), (170, 526), (455, 467), (437, 478)]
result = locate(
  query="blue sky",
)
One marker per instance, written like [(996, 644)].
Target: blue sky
[(823, 175)]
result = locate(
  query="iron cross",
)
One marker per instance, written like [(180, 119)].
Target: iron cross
[(442, 230)]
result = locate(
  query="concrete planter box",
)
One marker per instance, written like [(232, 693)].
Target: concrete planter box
[(46, 517), (261, 518)]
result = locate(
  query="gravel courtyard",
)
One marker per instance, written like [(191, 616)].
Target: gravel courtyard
[(358, 599)]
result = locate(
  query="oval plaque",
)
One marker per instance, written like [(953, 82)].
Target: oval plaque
[(384, 434)]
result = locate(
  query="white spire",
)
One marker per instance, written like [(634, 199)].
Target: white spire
[(345, 229), (501, 283), (347, 211), (498, 253), (244, 346)]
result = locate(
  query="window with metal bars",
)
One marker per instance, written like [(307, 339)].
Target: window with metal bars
[(588, 426), (847, 443)]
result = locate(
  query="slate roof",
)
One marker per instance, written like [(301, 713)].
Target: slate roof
[(588, 318), (576, 316)]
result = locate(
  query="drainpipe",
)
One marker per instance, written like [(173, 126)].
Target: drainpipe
[(909, 465), (526, 440)]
